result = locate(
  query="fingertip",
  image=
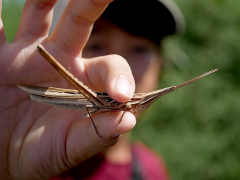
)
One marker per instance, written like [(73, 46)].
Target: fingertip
[(113, 75), (127, 123), (124, 88), (108, 125)]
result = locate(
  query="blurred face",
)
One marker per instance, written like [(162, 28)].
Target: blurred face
[(142, 55)]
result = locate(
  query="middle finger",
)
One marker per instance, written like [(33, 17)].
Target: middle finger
[(74, 27)]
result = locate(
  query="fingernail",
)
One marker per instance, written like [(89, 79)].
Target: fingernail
[(124, 86), (116, 136)]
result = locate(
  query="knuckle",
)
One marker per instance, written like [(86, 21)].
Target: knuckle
[(80, 19), (114, 64), (44, 5), (117, 59), (66, 47)]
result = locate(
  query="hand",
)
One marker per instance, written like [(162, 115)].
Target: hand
[(38, 141)]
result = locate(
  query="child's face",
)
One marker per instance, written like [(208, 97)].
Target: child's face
[(142, 55)]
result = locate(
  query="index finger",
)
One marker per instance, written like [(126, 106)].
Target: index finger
[(74, 27)]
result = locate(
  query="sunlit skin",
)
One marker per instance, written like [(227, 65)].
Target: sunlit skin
[(142, 55), (38, 141)]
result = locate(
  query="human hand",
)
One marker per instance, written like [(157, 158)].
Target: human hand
[(38, 141)]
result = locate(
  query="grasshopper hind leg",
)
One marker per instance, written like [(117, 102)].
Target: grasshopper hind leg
[(127, 107), (121, 119), (108, 109), (95, 127)]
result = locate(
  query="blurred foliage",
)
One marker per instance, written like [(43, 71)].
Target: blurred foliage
[(196, 128), (11, 14)]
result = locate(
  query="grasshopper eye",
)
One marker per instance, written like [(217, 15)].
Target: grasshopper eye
[(128, 105)]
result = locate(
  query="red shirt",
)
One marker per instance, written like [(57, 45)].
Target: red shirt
[(146, 165)]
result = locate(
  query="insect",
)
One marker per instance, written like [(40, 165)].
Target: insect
[(83, 98)]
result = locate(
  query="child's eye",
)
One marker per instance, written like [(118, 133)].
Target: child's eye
[(94, 49), (140, 50)]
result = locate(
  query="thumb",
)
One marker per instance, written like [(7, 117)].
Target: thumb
[(83, 141)]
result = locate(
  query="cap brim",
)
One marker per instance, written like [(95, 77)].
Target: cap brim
[(153, 19)]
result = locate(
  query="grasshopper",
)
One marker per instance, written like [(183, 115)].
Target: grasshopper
[(83, 98)]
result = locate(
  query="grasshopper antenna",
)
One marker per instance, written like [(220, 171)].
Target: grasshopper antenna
[(196, 78)]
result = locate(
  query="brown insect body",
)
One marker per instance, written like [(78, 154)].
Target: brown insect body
[(85, 98)]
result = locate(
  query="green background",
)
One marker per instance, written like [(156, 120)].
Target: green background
[(196, 128)]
